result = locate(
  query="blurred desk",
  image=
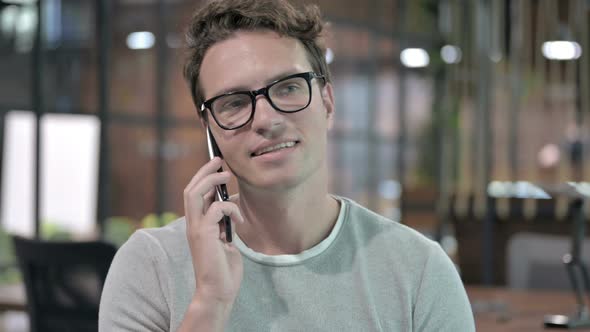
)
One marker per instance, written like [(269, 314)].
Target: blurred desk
[(13, 298), (502, 309)]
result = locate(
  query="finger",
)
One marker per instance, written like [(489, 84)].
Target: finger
[(194, 197), (210, 167), (223, 237), (209, 182), (219, 209), (223, 231), (208, 198)]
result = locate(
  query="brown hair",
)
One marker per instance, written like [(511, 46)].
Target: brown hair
[(220, 19)]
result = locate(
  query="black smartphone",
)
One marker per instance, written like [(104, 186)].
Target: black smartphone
[(221, 189)]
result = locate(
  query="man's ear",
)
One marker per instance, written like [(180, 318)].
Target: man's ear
[(328, 100)]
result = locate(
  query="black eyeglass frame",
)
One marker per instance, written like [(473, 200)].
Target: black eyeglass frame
[(308, 76)]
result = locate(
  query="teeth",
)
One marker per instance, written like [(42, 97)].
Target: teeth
[(276, 147)]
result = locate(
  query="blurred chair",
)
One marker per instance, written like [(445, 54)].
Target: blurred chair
[(63, 282), (469, 230), (534, 261)]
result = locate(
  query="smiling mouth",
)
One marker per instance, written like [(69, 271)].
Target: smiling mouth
[(273, 148)]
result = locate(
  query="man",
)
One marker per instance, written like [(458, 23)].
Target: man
[(301, 259)]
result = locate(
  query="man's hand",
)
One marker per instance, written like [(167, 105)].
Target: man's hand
[(217, 264)]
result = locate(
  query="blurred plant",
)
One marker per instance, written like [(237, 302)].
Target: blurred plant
[(9, 272), (153, 220), (118, 229), (52, 231)]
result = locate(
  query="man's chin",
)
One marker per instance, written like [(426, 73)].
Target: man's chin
[(278, 183)]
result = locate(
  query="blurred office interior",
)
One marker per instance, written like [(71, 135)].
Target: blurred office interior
[(466, 120)]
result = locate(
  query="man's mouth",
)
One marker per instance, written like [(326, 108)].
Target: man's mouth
[(276, 147)]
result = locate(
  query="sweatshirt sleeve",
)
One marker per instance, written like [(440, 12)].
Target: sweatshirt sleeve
[(442, 303), (133, 297)]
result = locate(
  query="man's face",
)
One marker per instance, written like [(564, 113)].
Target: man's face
[(249, 61)]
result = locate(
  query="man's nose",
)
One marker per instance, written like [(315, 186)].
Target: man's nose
[(267, 120)]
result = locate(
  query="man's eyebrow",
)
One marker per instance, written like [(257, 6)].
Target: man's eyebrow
[(281, 75), (242, 88)]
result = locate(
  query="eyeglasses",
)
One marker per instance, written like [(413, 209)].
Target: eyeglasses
[(235, 109)]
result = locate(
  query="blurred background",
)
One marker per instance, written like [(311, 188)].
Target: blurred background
[(462, 119)]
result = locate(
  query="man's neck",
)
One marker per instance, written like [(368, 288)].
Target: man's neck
[(287, 222)]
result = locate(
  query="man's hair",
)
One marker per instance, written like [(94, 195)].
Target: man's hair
[(219, 20)]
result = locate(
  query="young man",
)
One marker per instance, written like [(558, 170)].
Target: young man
[(301, 259)]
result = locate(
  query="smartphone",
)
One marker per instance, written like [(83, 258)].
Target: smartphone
[(221, 189)]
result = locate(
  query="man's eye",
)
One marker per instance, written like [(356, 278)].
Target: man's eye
[(234, 104), (288, 89)]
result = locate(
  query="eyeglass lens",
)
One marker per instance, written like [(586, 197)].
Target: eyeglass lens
[(288, 96)]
